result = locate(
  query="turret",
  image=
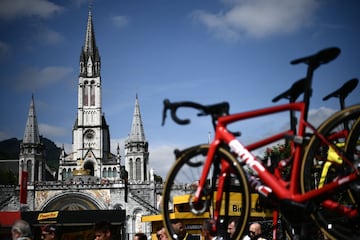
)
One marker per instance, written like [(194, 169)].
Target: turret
[(32, 150), (136, 149)]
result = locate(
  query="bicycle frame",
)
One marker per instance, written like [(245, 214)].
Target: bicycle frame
[(277, 187), (290, 190)]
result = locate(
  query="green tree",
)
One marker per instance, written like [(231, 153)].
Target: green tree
[(276, 154), (7, 177)]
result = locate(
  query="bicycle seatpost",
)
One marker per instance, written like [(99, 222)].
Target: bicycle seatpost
[(342, 93), (314, 61), (292, 94)]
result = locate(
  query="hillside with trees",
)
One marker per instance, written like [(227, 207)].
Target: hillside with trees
[(10, 149)]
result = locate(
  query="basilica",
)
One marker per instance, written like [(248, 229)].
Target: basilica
[(91, 183)]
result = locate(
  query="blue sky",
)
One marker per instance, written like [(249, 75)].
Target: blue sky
[(207, 51)]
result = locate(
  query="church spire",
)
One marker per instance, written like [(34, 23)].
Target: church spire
[(137, 149), (137, 130), (90, 57), (31, 134), (90, 44), (32, 151)]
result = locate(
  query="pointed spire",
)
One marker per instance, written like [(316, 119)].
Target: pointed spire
[(31, 134), (118, 156), (90, 45), (137, 130), (90, 57)]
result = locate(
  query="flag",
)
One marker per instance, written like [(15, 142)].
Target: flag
[(23, 187)]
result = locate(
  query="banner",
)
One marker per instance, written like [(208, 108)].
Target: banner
[(23, 187)]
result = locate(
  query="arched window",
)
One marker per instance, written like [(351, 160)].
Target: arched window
[(85, 94), (138, 169), (109, 172), (89, 166), (92, 93), (131, 169), (114, 172), (29, 169), (64, 174)]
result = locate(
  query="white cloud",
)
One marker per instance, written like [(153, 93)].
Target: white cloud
[(10, 9), (67, 146), (115, 142), (50, 37), (258, 18), (162, 158), (50, 131), (120, 21), (34, 78), (317, 116)]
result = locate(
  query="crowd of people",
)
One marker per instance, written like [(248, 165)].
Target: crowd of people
[(21, 230), (208, 231), (255, 232)]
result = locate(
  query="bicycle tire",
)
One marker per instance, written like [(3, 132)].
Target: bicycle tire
[(352, 149), (186, 172), (352, 146), (315, 163)]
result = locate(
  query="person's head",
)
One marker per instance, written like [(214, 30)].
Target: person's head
[(49, 232), (232, 224), (20, 228), (161, 233), (102, 230), (208, 230), (140, 236), (179, 228), (255, 230)]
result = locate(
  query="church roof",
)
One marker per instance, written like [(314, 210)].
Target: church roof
[(137, 133), (31, 134)]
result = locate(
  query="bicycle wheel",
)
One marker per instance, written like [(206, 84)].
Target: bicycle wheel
[(352, 146), (321, 165), (181, 184), (352, 149)]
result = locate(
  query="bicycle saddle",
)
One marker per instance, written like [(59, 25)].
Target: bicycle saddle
[(344, 90), (324, 56), (293, 92)]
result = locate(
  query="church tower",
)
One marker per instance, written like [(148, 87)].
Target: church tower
[(91, 181), (32, 150), (136, 149), (91, 136)]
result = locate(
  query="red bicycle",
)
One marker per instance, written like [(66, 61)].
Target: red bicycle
[(216, 177)]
